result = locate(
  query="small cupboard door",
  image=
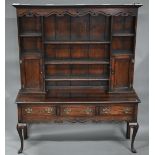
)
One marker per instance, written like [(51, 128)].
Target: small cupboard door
[(121, 72), (31, 74)]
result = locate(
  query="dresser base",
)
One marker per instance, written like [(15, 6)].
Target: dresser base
[(111, 107)]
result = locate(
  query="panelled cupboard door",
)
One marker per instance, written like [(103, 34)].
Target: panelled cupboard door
[(122, 72), (31, 74)]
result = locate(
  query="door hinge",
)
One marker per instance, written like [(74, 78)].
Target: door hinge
[(133, 61), (20, 61), (23, 86)]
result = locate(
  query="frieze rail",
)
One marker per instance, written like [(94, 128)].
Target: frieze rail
[(75, 12)]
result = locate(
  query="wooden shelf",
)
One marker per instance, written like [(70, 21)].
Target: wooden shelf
[(31, 51), (115, 52), (77, 78), (123, 35), (75, 91), (30, 34), (76, 61), (75, 87), (77, 42)]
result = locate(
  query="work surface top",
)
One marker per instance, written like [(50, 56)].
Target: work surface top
[(106, 98)]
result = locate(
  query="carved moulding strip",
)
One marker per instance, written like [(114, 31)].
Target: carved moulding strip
[(74, 12), (80, 120)]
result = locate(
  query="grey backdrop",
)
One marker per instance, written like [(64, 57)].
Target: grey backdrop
[(77, 139)]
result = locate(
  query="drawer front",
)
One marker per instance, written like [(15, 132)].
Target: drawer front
[(38, 112), (116, 110), (77, 110)]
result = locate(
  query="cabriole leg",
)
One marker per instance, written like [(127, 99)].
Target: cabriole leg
[(20, 129), (135, 127)]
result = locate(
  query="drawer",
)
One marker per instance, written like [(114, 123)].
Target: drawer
[(38, 112), (116, 110), (77, 110)]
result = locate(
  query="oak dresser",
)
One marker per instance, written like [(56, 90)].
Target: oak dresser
[(77, 65)]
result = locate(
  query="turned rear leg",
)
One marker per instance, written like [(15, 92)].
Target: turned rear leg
[(128, 131), (25, 132)]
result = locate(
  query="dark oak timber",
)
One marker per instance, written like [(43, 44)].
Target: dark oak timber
[(128, 131), (77, 65), (25, 132)]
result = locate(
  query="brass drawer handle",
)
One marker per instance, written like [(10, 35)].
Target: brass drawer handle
[(28, 110), (127, 110), (105, 110), (88, 111), (67, 110), (49, 110)]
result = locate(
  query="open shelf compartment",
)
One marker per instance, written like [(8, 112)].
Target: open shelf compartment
[(123, 25), (70, 79), (29, 26), (76, 91), (75, 29), (122, 45), (30, 45), (77, 54)]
